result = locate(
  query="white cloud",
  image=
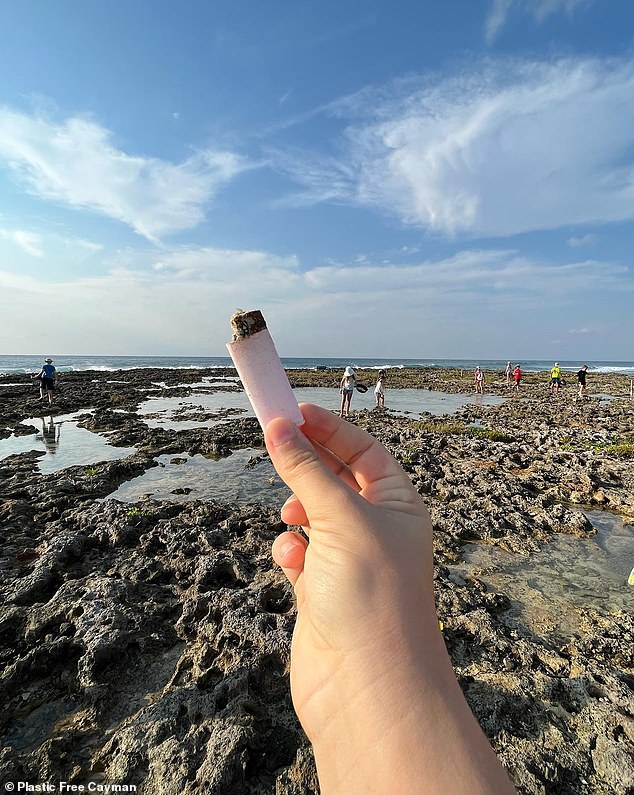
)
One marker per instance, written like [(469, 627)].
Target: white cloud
[(29, 242), (502, 148), (583, 330), (582, 240), (89, 245), (76, 162), (496, 19), (182, 303), (540, 9)]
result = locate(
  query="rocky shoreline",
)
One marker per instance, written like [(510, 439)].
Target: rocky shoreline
[(149, 643)]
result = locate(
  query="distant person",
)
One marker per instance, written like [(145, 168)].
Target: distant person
[(555, 378), (509, 373), (379, 392), (478, 377), (581, 380), (48, 378), (346, 387), (517, 378)]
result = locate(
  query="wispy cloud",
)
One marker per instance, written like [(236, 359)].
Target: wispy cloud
[(89, 245), (503, 147), (76, 162), (29, 242), (582, 240), (583, 330), (496, 19), (539, 9), (324, 178)]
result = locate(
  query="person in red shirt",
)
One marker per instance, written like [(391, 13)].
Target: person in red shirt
[(517, 378)]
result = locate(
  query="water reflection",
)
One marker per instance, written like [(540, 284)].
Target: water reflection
[(51, 432), (79, 446)]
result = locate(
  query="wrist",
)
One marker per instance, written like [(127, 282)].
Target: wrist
[(402, 721), (389, 696)]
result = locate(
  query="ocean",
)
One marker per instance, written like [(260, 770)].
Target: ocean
[(68, 363)]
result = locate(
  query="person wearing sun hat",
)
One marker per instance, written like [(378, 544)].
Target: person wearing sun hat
[(47, 376), (346, 387)]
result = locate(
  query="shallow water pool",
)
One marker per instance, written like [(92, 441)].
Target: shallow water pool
[(63, 443), (245, 476), (410, 402), (548, 588)]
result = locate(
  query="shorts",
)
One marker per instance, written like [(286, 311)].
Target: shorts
[(555, 381), (48, 384), (348, 390)]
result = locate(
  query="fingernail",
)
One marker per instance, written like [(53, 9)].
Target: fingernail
[(286, 550), (280, 431)]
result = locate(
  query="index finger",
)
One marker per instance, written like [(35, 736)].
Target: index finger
[(365, 456)]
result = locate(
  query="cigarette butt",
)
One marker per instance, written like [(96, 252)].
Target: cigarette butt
[(260, 369)]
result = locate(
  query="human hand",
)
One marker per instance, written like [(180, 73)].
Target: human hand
[(371, 680), (364, 583)]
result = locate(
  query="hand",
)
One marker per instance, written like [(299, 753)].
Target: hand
[(364, 583), (371, 681)]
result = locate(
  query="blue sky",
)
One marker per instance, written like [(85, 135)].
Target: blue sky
[(416, 179)]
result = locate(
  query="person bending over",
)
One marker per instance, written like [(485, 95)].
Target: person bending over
[(379, 391), (371, 680)]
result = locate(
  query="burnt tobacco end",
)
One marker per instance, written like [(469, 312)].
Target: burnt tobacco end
[(245, 324)]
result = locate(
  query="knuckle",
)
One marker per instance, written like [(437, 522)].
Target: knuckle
[(303, 464)]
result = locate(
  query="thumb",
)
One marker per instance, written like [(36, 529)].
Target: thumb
[(300, 467)]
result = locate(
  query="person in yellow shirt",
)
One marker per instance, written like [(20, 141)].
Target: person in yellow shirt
[(555, 378)]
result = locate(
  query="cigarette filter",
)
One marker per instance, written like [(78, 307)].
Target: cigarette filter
[(260, 369)]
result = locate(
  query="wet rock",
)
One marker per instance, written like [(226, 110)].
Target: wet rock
[(24, 430), (149, 643)]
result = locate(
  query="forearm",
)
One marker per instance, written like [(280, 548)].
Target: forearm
[(407, 729)]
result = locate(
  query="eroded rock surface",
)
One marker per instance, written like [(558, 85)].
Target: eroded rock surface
[(149, 643)]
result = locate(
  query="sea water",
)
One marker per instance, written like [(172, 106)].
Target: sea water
[(69, 363)]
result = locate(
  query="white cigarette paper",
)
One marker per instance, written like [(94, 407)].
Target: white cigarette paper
[(260, 369)]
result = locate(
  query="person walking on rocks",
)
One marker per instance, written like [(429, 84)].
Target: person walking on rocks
[(346, 387), (555, 378), (48, 377), (517, 378), (478, 377), (509, 373), (581, 380), (379, 393)]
